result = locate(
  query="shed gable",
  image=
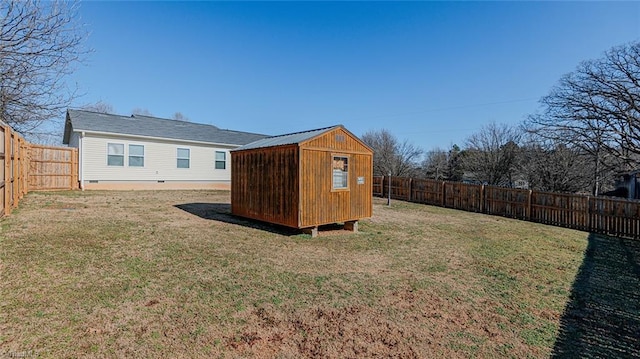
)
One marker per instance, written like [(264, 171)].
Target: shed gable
[(338, 140)]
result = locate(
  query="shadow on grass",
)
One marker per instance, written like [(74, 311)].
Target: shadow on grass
[(222, 212), (602, 318)]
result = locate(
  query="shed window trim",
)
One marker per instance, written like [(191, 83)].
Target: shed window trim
[(339, 172), (221, 160), (115, 154), (183, 157), (136, 155)]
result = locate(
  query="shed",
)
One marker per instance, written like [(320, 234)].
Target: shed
[(304, 179)]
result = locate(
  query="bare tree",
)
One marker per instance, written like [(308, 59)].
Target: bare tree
[(435, 164), (491, 154), (100, 106), (178, 116), (141, 111), (40, 44), (390, 155), (555, 167), (596, 108)]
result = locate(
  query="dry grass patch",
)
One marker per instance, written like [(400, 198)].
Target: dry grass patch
[(129, 274)]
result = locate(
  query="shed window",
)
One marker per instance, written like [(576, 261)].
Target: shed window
[(221, 160), (115, 154), (183, 158), (136, 155), (340, 172)]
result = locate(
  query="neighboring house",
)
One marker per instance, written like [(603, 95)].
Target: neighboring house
[(142, 152), (627, 186)]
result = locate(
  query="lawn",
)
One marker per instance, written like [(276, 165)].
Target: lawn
[(172, 274)]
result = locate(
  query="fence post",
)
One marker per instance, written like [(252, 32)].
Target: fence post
[(410, 195), (589, 220), (16, 173), (482, 200), (27, 166), (443, 192), (74, 169)]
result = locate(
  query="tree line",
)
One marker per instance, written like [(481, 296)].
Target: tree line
[(586, 133)]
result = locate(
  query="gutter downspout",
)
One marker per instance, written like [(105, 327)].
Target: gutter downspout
[(81, 154)]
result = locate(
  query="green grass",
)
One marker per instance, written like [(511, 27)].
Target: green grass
[(128, 274)]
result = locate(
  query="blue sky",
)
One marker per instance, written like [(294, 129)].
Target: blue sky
[(430, 72)]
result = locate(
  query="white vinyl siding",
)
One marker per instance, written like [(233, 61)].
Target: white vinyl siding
[(115, 154), (221, 160), (160, 161), (136, 156), (183, 158)]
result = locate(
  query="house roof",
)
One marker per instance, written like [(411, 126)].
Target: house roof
[(138, 125), (287, 139)]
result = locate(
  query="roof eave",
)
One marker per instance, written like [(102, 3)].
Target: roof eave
[(154, 137)]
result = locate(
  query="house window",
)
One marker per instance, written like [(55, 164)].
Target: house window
[(340, 172), (115, 154), (183, 158), (136, 155), (221, 160)]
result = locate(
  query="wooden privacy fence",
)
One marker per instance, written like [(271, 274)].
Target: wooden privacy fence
[(611, 216), (28, 167), (52, 168), (13, 178)]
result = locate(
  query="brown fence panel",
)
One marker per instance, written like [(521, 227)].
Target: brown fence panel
[(427, 191), (463, 196), (401, 188), (614, 216), (53, 168), (560, 209), (378, 189), (507, 202)]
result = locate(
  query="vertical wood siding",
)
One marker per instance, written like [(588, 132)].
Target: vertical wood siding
[(320, 204), (265, 184)]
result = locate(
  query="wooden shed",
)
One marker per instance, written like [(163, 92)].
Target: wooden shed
[(304, 179)]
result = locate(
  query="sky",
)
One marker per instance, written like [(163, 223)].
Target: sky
[(431, 73)]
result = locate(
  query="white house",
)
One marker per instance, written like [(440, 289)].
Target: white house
[(142, 152)]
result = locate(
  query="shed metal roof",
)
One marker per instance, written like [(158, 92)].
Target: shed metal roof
[(287, 139), (147, 126)]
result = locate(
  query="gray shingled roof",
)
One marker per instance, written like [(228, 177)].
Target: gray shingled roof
[(286, 139), (137, 125)]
